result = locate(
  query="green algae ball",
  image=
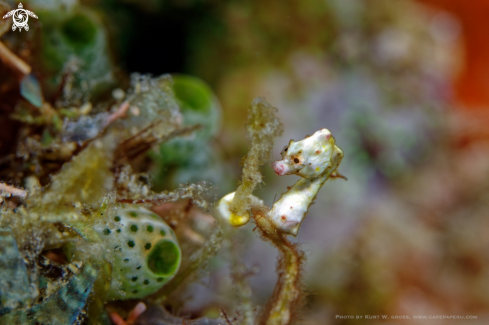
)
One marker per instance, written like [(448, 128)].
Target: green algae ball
[(146, 253), (192, 158), (198, 104)]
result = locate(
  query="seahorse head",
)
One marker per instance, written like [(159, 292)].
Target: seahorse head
[(310, 157)]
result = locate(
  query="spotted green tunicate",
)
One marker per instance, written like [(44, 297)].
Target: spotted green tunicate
[(146, 252)]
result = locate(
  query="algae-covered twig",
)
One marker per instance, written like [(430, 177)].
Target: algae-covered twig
[(200, 194), (286, 300), (262, 127)]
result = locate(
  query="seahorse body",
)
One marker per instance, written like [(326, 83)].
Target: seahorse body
[(314, 159)]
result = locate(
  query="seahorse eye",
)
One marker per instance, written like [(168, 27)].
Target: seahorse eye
[(296, 160), (284, 151)]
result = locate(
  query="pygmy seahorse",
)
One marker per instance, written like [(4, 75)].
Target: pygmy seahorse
[(315, 159)]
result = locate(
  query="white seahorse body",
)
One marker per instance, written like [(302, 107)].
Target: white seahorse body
[(315, 159), (289, 211)]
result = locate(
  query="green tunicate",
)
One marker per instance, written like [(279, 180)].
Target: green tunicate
[(182, 158), (164, 258), (79, 31), (73, 42), (192, 93), (198, 105)]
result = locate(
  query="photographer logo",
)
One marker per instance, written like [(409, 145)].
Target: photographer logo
[(20, 17)]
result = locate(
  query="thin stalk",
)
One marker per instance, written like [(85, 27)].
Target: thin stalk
[(286, 299)]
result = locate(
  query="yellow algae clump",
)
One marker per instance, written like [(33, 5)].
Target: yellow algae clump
[(86, 179)]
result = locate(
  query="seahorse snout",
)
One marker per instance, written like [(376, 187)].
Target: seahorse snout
[(280, 168)]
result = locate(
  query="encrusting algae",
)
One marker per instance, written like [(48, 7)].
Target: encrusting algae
[(91, 220)]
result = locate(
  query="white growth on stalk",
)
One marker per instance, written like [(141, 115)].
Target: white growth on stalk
[(225, 211)]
